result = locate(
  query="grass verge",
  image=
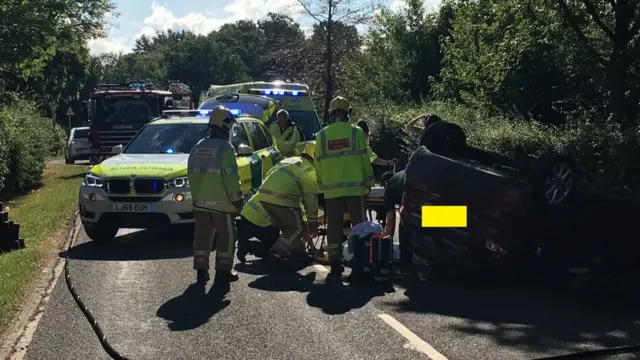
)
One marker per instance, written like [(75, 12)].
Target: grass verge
[(43, 217)]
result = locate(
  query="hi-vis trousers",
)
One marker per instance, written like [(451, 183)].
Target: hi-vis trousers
[(293, 227), (334, 215), (210, 228)]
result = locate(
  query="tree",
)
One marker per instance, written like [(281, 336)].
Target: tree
[(327, 13), (284, 54), (614, 47)]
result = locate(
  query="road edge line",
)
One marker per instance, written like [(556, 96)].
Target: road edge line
[(20, 335), (421, 345)]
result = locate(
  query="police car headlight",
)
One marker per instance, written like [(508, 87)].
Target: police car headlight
[(181, 182), (91, 180)]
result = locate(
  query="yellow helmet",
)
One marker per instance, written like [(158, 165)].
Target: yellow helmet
[(339, 103), (309, 149), (222, 118)]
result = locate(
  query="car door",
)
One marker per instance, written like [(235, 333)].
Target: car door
[(239, 136)]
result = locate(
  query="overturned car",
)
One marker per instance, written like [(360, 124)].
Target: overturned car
[(547, 213)]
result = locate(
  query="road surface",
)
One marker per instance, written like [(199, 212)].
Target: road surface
[(139, 289)]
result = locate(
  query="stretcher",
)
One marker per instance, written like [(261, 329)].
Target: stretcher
[(317, 246)]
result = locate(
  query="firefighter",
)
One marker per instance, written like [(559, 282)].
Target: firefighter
[(255, 223), (217, 198), (344, 176), (289, 187), (286, 133)]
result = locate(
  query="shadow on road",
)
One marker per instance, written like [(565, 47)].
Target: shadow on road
[(284, 282), (141, 245), (337, 299), (530, 317), (193, 308)]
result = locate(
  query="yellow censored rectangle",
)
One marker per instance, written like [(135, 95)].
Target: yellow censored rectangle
[(444, 216)]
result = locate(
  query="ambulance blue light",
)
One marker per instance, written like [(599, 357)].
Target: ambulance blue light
[(235, 112), (169, 151), (205, 112), (280, 92), (294, 93)]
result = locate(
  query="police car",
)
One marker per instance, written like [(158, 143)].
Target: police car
[(145, 184)]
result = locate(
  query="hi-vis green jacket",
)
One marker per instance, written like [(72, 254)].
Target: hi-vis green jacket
[(342, 161), (213, 176), (286, 140), (292, 182)]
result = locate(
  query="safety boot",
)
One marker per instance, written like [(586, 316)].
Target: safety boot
[(225, 277), (202, 276)]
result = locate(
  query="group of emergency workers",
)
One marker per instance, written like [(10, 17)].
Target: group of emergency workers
[(284, 211)]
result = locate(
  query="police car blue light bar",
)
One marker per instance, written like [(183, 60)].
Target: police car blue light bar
[(206, 112), (280, 92)]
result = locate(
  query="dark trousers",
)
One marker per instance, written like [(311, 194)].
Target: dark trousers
[(256, 240), (406, 251)]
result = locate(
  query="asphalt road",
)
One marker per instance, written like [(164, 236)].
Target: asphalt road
[(139, 289)]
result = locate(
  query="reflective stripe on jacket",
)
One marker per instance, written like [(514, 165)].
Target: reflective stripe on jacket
[(286, 140), (342, 162), (213, 175), (292, 182), (255, 213)]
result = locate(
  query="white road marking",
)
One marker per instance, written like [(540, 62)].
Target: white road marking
[(415, 342)]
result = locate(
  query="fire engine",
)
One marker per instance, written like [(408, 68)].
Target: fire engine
[(117, 111)]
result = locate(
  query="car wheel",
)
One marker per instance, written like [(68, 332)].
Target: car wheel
[(100, 233), (67, 160), (445, 138), (553, 178)]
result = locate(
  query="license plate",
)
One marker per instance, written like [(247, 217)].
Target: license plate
[(132, 207)]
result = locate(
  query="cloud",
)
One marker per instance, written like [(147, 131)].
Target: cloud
[(162, 19), (429, 5), (115, 45)]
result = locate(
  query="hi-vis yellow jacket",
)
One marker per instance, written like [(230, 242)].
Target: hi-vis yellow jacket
[(292, 183), (254, 212), (213, 175), (342, 161), (286, 140)]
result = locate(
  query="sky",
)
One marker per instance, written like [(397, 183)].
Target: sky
[(144, 17)]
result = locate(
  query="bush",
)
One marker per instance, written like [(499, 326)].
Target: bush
[(26, 139), (602, 150)]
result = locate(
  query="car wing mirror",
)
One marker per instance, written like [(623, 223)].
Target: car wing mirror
[(245, 150), (116, 150)]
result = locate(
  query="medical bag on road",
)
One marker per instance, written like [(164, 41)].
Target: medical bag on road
[(372, 254)]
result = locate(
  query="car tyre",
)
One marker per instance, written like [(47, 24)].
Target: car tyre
[(446, 139), (100, 233), (553, 178), (67, 160)]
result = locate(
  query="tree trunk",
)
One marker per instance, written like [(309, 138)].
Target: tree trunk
[(619, 64), (328, 91)]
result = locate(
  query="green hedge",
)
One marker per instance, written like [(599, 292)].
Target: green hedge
[(606, 153), (26, 140)]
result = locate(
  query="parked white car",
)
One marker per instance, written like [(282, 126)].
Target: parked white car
[(77, 147)]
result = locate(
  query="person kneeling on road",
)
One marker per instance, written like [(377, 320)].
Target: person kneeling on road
[(287, 186), (255, 223), (217, 198)]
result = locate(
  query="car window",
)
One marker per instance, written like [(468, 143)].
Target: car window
[(167, 138), (267, 134), (258, 138), (80, 134), (239, 136)]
